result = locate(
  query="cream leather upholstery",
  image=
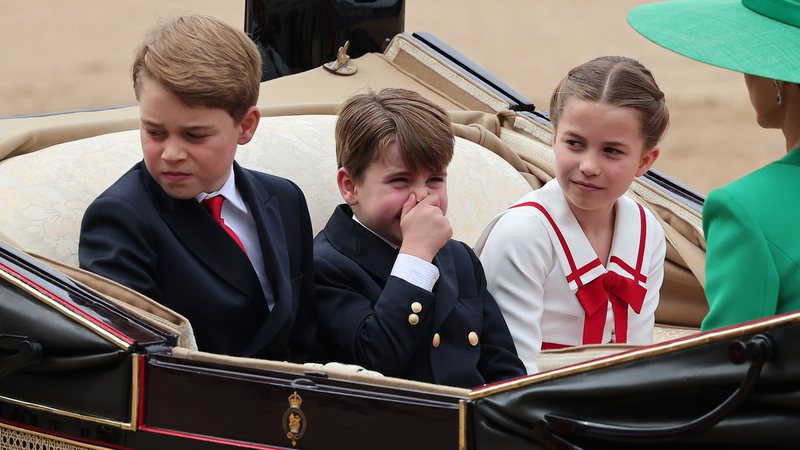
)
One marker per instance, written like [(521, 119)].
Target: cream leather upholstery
[(44, 193)]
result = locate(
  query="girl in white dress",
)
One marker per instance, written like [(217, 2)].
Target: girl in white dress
[(577, 262)]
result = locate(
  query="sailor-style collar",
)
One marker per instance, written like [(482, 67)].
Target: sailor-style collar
[(622, 282), (576, 255)]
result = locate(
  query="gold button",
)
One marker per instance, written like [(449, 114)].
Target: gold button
[(416, 307), (413, 319), (436, 340), (472, 338)]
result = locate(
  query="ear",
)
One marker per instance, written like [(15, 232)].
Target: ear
[(347, 186), (647, 161), (248, 125)]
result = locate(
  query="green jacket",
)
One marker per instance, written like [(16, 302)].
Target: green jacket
[(752, 230)]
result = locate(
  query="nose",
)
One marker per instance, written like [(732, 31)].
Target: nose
[(589, 164), (172, 150), (420, 190)]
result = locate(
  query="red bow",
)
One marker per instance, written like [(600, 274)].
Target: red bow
[(595, 295)]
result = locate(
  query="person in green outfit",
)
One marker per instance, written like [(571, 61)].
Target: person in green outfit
[(750, 225)]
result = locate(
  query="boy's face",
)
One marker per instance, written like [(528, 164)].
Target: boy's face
[(188, 149), (377, 199)]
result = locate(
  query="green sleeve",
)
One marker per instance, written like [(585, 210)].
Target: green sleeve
[(741, 279)]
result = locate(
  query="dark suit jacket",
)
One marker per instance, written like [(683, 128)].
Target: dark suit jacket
[(364, 312), (175, 253)]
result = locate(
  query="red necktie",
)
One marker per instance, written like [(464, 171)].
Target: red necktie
[(594, 297), (214, 205)]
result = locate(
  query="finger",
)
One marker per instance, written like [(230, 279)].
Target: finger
[(411, 201), (431, 199)]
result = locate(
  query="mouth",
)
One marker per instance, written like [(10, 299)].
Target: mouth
[(586, 186), (175, 176)]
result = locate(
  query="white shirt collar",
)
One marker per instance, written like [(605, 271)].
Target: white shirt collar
[(394, 246), (229, 191)]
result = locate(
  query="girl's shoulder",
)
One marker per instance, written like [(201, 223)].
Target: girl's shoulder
[(548, 200), (529, 219), (637, 216), (529, 213)]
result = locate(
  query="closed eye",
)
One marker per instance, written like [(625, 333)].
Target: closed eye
[(196, 136), (155, 134)]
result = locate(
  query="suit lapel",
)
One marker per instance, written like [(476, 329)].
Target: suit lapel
[(266, 212), (361, 245), (210, 244)]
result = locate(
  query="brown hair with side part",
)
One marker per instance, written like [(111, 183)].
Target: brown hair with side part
[(370, 121), (203, 61), (617, 81)]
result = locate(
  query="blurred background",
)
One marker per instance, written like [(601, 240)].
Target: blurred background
[(58, 56)]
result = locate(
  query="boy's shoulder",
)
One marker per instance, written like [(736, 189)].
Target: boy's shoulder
[(342, 236), (275, 184), (459, 249), (130, 186), (136, 186), (462, 255)]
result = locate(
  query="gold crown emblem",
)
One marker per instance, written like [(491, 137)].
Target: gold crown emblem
[(294, 400)]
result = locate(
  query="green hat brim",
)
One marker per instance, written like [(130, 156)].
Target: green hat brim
[(725, 33)]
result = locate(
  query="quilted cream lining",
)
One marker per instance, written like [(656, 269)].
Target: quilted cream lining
[(45, 193)]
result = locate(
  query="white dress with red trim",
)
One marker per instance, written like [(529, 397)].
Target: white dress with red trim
[(552, 288)]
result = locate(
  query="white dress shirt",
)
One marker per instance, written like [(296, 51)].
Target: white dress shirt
[(238, 218)]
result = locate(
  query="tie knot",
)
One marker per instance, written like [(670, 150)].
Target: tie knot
[(214, 205), (612, 281)]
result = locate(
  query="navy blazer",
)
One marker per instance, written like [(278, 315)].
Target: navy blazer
[(175, 253), (365, 314)]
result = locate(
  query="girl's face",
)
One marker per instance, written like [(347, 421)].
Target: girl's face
[(599, 150)]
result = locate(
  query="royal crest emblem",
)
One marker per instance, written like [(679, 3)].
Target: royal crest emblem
[(294, 420)]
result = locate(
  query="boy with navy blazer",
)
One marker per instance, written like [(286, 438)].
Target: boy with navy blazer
[(394, 293), (240, 271)]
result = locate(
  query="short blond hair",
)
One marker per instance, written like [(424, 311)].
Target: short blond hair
[(370, 121), (203, 61)]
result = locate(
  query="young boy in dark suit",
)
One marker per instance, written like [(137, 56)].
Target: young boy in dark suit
[(394, 293), (229, 248)]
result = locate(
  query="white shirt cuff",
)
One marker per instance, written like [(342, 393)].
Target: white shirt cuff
[(416, 271)]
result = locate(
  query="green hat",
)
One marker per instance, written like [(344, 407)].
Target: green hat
[(759, 37)]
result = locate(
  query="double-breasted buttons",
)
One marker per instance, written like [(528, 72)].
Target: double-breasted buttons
[(436, 340), (416, 308), (472, 337)]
